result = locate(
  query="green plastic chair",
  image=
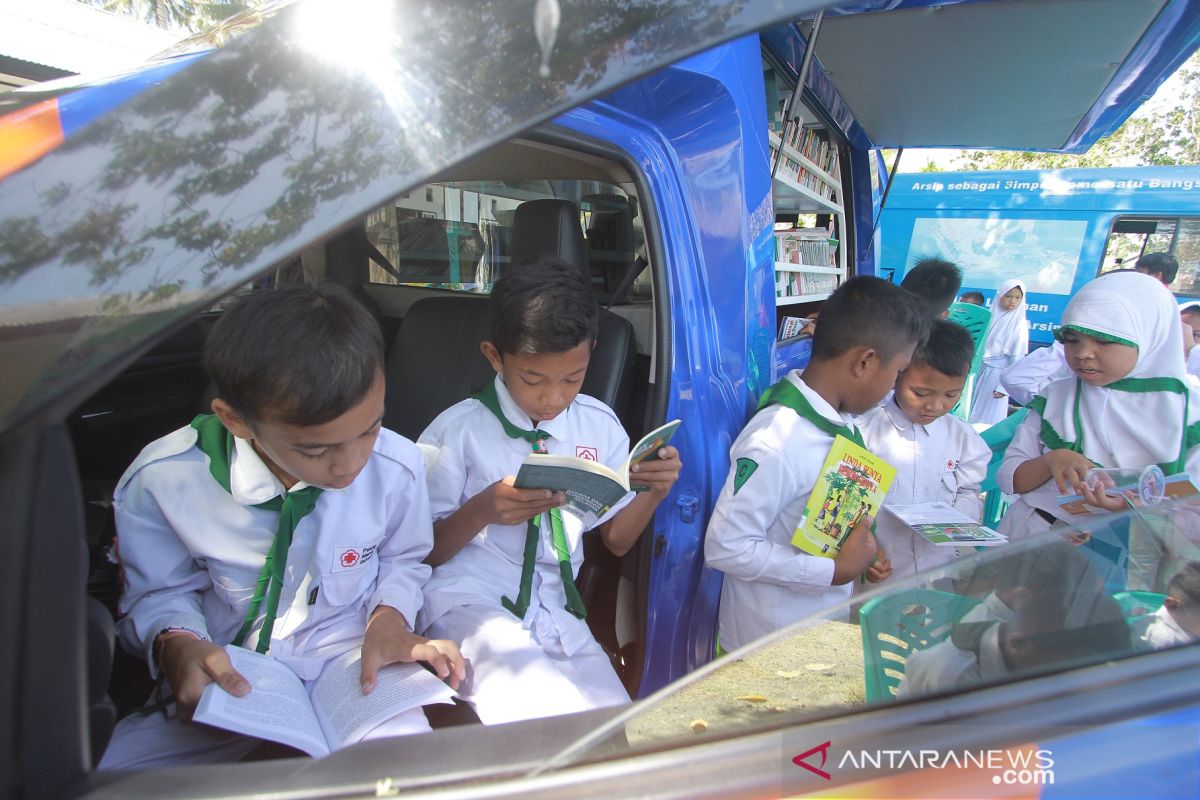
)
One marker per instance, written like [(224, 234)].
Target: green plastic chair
[(1138, 604), (897, 625), (997, 438), (975, 319)]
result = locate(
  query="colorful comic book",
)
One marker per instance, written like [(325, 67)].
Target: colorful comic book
[(851, 486)]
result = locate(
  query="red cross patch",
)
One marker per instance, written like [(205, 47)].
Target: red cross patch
[(587, 453), (951, 464), (350, 557)]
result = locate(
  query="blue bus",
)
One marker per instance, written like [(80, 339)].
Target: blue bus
[(413, 153), (1054, 229)]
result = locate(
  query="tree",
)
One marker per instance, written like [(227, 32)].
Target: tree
[(190, 15), (1152, 137)]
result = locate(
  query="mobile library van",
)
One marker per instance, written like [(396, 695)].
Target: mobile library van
[(415, 152)]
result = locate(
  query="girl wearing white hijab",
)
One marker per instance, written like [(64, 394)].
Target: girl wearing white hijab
[(1126, 405), (1007, 341)]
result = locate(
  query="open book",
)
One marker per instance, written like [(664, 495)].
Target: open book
[(591, 487), (1171, 488), (943, 524), (851, 486), (333, 714)]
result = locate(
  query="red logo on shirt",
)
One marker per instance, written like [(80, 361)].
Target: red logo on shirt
[(951, 464), (587, 453), (350, 558)]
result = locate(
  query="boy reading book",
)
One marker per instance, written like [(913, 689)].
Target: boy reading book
[(505, 558), (288, 522), (869, 329), (937, 456)]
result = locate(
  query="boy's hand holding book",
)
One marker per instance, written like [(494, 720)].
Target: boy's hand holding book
[(190, 664), (880, 569), (389, 640), (502, 503), (856, 554), (659, 472)]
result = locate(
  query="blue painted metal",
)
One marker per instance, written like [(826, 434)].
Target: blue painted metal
[(697, 133), (1093, 197)]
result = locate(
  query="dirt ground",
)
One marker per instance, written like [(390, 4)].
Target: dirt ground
[(821, 667)]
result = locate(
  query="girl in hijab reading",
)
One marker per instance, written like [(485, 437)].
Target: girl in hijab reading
[(1127, 404), (1007, 340)]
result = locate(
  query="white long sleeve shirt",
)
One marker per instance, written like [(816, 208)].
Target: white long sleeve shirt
[(945, 461), (472, 453), (192, 552), (770, 584), (1026, 378)]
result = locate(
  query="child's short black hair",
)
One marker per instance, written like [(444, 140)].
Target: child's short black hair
[(542, 306), (1160, 264), (869, 312), (936, 281), (303, 355), (1186, 585), (972, 297), (949, 349)]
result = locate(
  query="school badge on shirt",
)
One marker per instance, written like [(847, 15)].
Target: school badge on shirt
[(951, 465), (345, 558), (587, 453)]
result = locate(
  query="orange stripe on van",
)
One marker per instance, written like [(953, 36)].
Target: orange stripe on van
[(28, 134)]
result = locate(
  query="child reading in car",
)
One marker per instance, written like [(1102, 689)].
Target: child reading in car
[(505, 559), (288, 521)]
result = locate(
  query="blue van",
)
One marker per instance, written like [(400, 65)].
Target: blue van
[(413, 152), (1054, 229)]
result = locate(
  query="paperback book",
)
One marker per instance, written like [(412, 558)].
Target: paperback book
[(851, 486), (591, 487)]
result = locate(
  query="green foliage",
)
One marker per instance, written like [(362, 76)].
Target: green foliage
[(1163, 138), (189, 15)]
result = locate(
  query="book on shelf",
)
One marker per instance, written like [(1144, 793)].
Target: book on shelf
[(790, 327), (797, 284), (330, 714), (851, 486), (591, 487), (944, 525), (803, 247)]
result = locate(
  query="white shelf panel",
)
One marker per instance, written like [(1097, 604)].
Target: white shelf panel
[(805, 162), (791, 196), (801, 298), (784, 266)]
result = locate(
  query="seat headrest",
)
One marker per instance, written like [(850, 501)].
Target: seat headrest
[(549, 227)]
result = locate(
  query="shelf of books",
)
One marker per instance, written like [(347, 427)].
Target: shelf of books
[(808, 265), (804, 181)]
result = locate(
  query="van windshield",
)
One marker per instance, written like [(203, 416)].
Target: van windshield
[(1116, 587)]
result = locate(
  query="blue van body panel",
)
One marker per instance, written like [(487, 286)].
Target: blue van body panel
[(1080, 203), (695, 132)]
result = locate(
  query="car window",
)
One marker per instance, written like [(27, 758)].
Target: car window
[(1058, 601), (458, 235)]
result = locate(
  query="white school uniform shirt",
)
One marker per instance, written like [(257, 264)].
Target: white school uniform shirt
[(473, 452), (1026, 378), (1021, 519), (191, 552), (945, 461), (770, 584), (1163, 631)]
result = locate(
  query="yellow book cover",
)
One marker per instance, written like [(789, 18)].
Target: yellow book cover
[(851, 486)]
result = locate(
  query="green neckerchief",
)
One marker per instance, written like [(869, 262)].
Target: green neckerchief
[(1189, 438), (786, 394), (217, 443), (558, 537)]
